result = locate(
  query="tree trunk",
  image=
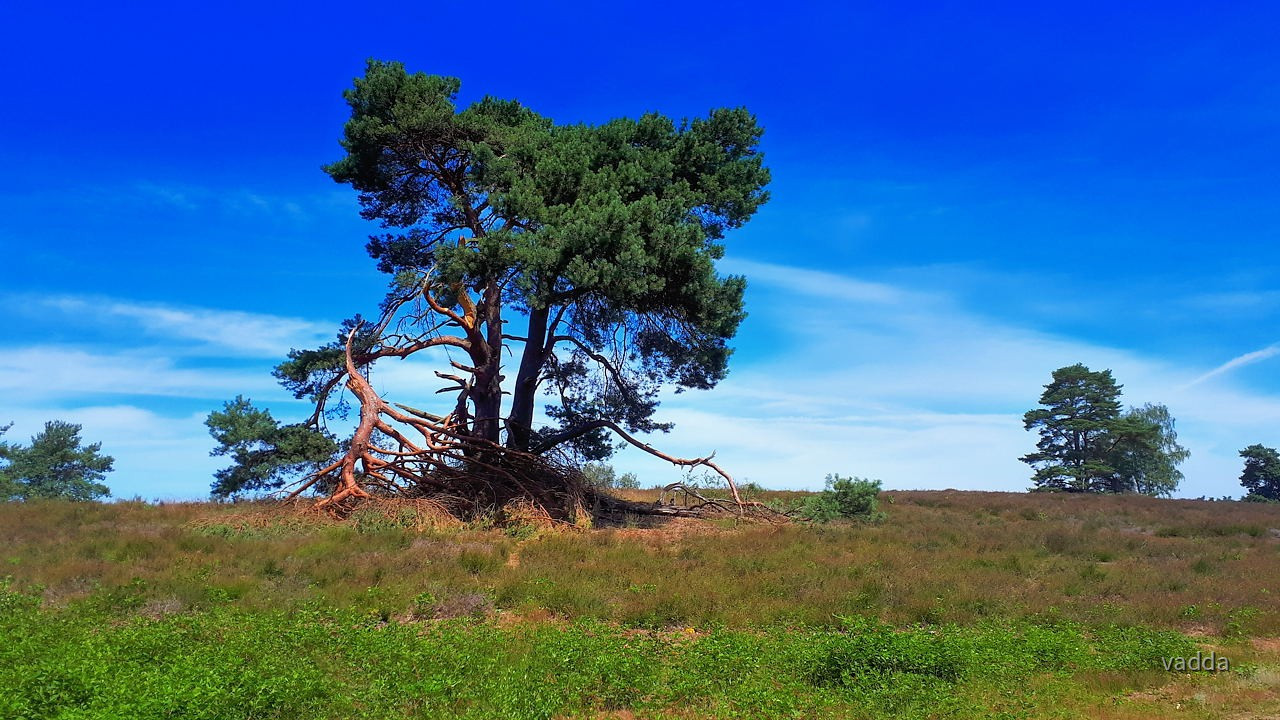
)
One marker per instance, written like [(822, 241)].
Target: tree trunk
[(520, 422), (487, 393)]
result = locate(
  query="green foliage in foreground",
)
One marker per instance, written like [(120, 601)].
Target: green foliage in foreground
[(228, 663)]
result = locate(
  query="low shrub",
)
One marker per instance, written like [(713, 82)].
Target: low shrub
[(850, 498)]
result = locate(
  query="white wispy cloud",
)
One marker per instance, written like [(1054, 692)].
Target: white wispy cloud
[(180, 198), (867, 378), (814, 283), (37, 375), (799, 451), (238, 201), (1240, 361), (914, 389), (224, 331), (134, 373), (157, 456), (1236, 301)]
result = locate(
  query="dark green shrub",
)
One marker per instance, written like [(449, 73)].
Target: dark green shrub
[(850, 498)]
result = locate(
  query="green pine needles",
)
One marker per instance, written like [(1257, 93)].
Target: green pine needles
[(1087, 444), (849, 498), (1261, 475), (570, 261), (54, 465)]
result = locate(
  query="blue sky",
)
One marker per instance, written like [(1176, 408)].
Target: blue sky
[(964, 199)]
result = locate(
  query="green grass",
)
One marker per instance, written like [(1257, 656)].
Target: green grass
[(227, 663), (959, 605)]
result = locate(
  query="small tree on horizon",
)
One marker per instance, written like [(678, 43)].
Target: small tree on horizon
[(1261, 476), (603, 475), (1080, 408), (1145, 452), (7, 486), (55, 465)]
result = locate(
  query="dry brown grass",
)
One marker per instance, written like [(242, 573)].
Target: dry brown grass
[(1206, 567)]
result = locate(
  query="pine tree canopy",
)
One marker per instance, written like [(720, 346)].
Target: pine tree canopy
[(571, 260)]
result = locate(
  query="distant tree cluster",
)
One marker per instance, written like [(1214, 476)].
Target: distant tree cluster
[(602, 475), (1088, 443), (54, 465)]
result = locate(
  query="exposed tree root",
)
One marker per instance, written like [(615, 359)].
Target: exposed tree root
[(400, 451)]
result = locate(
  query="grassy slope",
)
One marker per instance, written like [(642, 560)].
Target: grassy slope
[(715, 620)]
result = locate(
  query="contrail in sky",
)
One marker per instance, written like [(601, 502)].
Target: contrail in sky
[(1237, 362)]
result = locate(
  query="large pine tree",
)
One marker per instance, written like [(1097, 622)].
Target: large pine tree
[(1079, 409), (526, 257)]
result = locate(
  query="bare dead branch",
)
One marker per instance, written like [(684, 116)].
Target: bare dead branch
[(681, 462)]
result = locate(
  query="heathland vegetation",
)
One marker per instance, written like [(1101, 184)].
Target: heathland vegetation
[(467, 561), (959, 605)]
